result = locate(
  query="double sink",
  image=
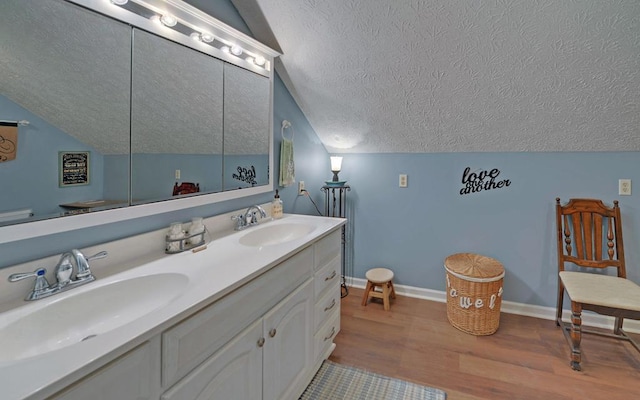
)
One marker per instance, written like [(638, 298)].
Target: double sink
[(126, 300)]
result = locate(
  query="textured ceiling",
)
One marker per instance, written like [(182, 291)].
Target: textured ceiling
[(449, 76)]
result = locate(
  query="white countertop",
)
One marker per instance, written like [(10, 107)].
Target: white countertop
[(214, 272)]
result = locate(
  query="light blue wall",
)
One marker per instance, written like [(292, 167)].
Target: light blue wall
[(412, 230)]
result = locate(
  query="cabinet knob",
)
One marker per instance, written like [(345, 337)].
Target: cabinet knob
[(261, 342), (272, 332)]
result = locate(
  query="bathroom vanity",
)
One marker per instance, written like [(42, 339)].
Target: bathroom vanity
[(250, 317)]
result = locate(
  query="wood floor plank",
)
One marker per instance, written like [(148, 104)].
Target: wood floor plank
[(527, 358)]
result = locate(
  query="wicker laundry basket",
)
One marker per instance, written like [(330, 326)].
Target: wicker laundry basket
[(474, 292)]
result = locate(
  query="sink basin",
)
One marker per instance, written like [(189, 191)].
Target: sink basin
[(78, 317), (270, 235)]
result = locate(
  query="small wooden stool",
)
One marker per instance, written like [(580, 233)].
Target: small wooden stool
[(382, 278)]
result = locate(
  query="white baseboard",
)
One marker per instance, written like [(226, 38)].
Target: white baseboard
[(509, 307)]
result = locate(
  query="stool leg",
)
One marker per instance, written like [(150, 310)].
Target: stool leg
[(393, 290), (365, 297), (385, 296)]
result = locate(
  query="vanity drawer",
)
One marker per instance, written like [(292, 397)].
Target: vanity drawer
[(327, 277), (327, 306), (327, 248), (323, 339), (193, 340)]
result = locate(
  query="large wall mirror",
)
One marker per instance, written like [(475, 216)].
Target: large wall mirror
[(122, 110)]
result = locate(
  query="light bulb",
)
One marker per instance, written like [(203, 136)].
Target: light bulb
[(225, 49), (206, 37), (196, 36), (168, 20), (259, 60), (236, 50), (120, 2)]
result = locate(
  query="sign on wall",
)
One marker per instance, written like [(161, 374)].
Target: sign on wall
[(73, 168), (481, 179), (246, 174)]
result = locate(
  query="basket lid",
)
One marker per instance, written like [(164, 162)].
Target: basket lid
[(474, 265)]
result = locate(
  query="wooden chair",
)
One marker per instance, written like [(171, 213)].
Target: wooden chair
[(185, 188), (590, 238)]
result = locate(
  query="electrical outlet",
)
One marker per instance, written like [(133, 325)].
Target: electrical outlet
[(177, 174), (301, 189), (624, 187), (403, 181)]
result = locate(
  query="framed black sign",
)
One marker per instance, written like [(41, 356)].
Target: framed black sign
[(73, 168)]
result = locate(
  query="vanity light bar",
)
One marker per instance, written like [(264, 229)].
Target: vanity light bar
[(146, 10)]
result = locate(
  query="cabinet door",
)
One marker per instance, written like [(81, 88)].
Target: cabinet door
[(288, 350), (234, 372), (132, 376)]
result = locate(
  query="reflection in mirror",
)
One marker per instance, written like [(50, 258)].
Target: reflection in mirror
[(246, 128), (67, 71), (176, 124)]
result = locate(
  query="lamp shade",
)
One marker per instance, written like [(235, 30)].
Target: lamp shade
[(336, 164)]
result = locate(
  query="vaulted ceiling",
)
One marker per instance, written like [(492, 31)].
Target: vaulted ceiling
[(459, 76)]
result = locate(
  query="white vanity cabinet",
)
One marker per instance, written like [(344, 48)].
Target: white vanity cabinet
[(327, 275), (131, 376), (288, 349), (269, 360), (264, 340), (292, 313), (233, 372)]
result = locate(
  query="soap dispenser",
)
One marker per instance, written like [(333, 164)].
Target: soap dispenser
[(276, 206)]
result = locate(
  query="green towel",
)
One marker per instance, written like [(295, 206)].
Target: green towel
[(287, 167)]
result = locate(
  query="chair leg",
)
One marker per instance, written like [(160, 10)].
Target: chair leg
[(385, 296), (365, 297), (560, 301), (576, 335), (393, 290), (617, 326)]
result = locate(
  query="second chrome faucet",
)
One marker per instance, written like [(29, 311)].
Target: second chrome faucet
[(249, 217)]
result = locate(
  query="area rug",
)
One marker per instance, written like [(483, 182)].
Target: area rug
[(335, 382)]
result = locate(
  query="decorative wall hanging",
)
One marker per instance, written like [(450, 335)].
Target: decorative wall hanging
[(8, 141), (480, 180), (73, 168), (247, 175)]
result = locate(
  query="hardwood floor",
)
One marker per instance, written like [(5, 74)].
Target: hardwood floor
[(527, 358)]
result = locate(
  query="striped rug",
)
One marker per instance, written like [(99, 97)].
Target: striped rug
[(335, 382)]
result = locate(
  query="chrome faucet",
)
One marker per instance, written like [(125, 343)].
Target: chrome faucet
[(249, 218), (63, 273)]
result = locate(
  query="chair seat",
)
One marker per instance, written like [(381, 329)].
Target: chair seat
[(601, 290), (379, 275)]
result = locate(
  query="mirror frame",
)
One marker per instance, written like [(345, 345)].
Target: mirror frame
[(185, 12)]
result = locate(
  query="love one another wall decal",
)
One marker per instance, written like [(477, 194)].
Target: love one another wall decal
[(480, 180)]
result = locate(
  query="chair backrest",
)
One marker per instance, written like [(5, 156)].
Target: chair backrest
[(185, 188), (590, 235)]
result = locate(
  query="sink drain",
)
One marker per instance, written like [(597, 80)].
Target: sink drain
[(88, 337)]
